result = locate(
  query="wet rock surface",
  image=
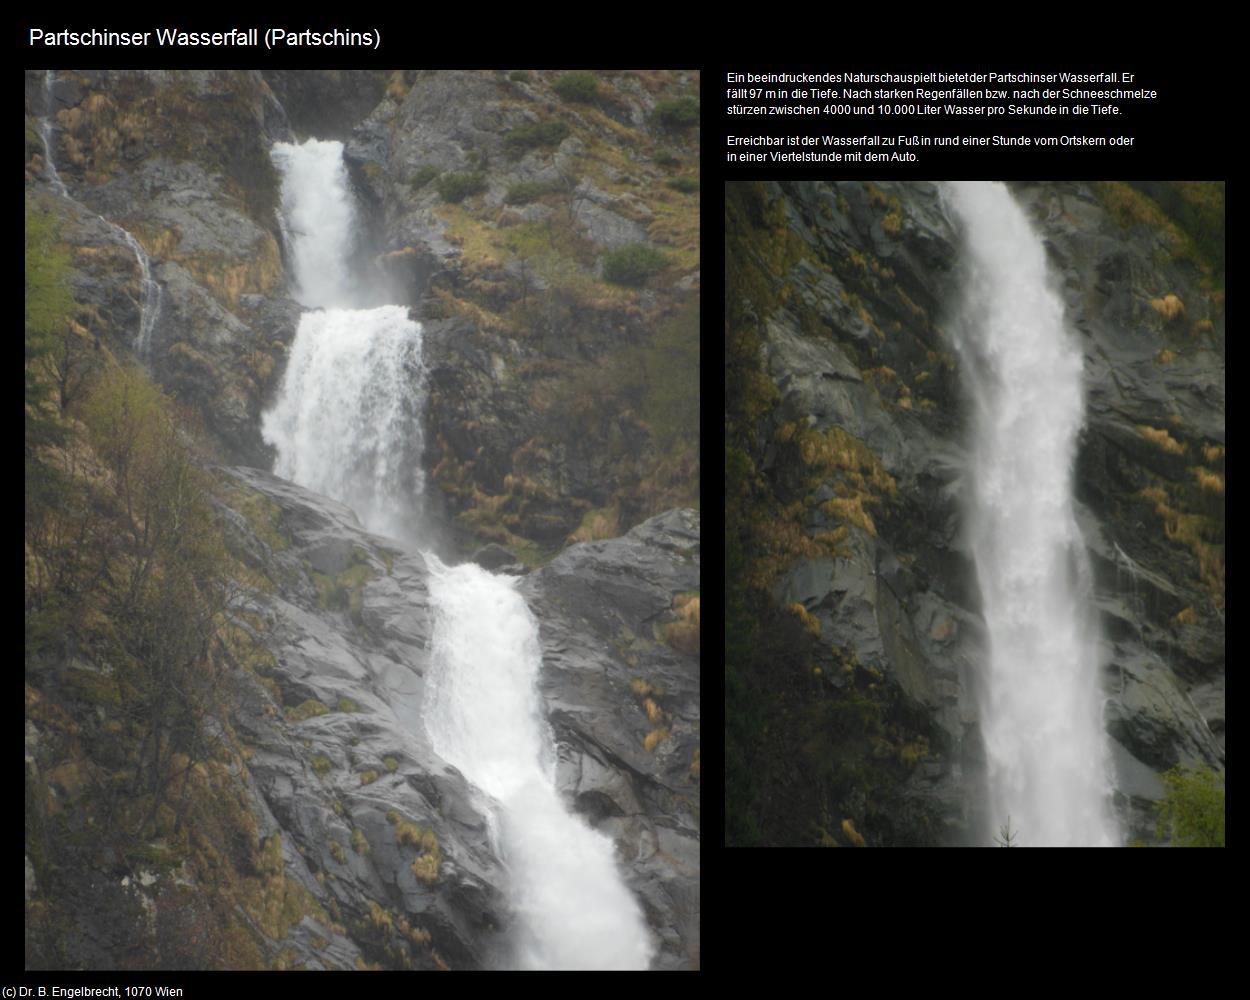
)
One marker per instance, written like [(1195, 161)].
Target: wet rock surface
[(603, 608)]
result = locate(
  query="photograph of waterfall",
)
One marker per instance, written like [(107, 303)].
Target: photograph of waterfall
[(362, 520), (975, 514)]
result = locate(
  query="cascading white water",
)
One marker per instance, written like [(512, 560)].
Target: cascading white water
[(1041, 717), (150, 305), (483, 716), (347, 421), (318, 219), (347, 424)]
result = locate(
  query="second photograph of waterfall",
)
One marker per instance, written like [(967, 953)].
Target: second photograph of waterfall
[(974, 513)]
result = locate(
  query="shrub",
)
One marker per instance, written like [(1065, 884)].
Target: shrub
[(458, 186), (369, 777), (577, 86), (1192, 812), (391, 764), (359, 843), (321, 765), (666, 159), (681, 112), (423, 175), (633, 264), (519, 76), (548, 133), (683, 184), (347, 705)]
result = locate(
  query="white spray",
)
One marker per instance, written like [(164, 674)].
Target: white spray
[(347, 424), (1041, 717)]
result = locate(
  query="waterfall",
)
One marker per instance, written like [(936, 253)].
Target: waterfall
[(45, 133), (347, 424), (1041, 712), (318, 220), (484, 716), (347, 420), (150, 304)]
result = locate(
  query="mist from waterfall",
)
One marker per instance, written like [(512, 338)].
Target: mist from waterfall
[(347, 424), (1041, 711)]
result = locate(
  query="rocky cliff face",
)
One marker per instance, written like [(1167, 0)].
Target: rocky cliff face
[(561, 413), (856, 684)]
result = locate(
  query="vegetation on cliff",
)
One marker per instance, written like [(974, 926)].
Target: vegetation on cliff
[(576, 268), (130, 624)]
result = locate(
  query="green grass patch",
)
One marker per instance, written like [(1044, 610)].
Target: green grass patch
[(307, 710), (455, 187), (632, 265), (548, 133), (422, 176), (679, 113), (579, 86), (524, 192)]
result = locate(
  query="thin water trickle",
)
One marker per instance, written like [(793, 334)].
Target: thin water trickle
[(1041, 717), (150, 305)]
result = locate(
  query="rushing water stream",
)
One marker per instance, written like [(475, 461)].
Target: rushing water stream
[(346, 423), (1042, 711)]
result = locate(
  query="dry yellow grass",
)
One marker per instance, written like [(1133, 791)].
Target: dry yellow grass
[(811, 623), (851, 834), (653, 739), (1169, 307), (1210, 481), (1161, 439), (1187, 617)]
